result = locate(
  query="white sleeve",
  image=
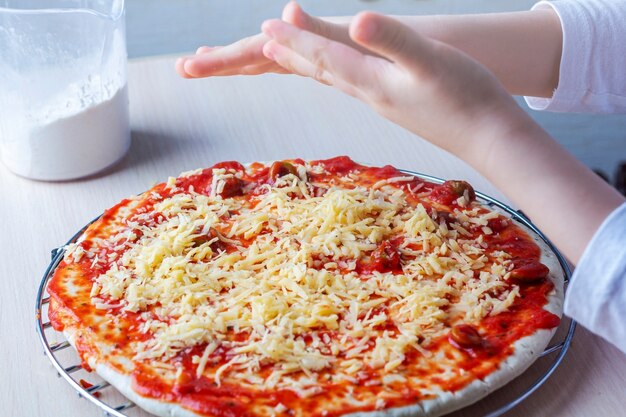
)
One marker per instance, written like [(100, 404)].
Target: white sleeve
[(592, 77), (596, 296)]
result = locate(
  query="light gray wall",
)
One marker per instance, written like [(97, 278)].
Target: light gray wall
[(168, 26), (157, 27)]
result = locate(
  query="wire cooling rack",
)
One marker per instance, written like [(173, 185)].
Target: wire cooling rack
[(99, 392)]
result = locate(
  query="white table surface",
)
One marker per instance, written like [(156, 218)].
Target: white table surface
[(180, 125)]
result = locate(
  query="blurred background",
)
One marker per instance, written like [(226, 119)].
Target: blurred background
[(157, 27)]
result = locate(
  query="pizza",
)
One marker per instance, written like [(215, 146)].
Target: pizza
[(306, 288)]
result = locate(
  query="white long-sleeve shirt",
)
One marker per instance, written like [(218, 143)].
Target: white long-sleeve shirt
[(596, 296), (592, 79)]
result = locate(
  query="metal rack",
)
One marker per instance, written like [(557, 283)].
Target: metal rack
[(102, 394)]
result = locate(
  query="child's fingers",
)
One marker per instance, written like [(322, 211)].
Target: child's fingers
[(265, 68), (323, 54), (393, 40), (180, 67), (293, 14), (254, 69), (227, 60), (292, 62)]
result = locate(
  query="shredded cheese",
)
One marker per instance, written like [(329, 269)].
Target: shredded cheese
[(289, 286)]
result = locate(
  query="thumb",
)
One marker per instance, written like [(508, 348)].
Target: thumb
[(393, 40)]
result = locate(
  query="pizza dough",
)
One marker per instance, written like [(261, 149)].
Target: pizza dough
[(311, 236)]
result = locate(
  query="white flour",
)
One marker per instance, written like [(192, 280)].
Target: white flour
[(78, 135)]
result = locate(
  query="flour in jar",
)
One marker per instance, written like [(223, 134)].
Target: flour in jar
[(76, 135)]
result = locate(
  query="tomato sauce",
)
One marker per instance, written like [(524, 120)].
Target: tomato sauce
[(204, 396)]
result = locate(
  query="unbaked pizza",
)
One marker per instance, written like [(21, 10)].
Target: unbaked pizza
[(317, 288)]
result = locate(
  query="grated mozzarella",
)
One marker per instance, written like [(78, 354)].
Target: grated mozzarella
[(291, 286)]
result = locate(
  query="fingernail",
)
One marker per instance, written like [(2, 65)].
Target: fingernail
[(187, 66), (266, 28)]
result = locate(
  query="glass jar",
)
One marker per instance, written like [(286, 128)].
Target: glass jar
[(63, 89)]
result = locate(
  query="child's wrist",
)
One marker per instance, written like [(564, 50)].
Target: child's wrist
[(493, 131), (510, 141)]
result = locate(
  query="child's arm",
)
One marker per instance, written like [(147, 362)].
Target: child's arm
[(445, 96), (522, 49)]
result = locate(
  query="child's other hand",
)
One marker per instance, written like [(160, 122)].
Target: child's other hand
[(426, 86), (245, 57)]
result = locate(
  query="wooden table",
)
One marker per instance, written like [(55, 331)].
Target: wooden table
[(180, 125)]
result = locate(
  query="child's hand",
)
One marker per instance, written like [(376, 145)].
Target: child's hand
[(522, 49), (245, 57), (426, 86)]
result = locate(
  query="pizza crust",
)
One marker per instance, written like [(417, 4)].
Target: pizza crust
[(526, 351), (123, 384)]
